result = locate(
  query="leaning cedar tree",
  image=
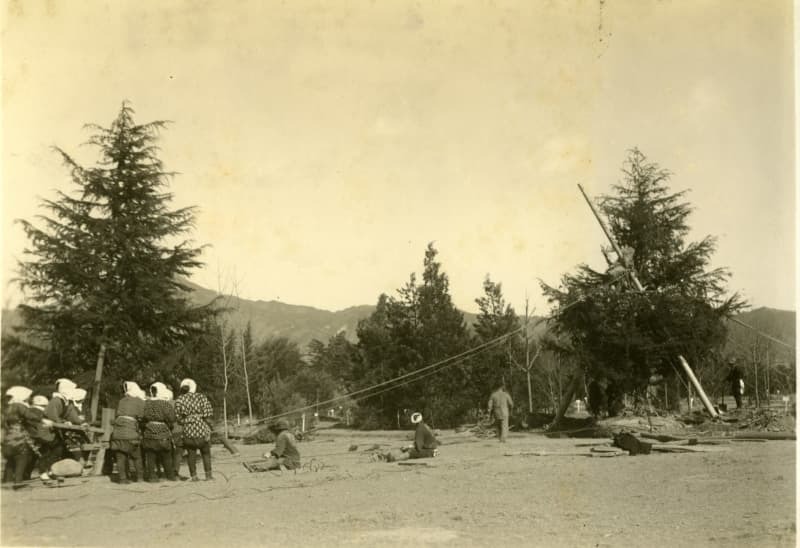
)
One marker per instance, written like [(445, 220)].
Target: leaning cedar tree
[(623, 336), (104, 268)]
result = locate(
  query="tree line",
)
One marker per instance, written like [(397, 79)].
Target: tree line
[(102, 278)]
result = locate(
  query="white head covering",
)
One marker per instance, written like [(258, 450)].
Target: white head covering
[(133, 390), (169, 395), (159, 391), (40, 401), (19, 394), (191, 384), (77, 395), (63, 388), (416, 418)]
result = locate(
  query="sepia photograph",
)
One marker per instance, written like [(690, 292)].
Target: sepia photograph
[(384, 273)]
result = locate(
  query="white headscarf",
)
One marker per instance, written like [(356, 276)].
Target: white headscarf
[(169, 395), (133, 390), (19, 394), (39, 401), (76, 396), (416, 418), (63, 389), (191, 384), (159, 391)]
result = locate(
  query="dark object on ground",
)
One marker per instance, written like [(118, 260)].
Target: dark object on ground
[(632, 444), (262, 435), (353, 448)]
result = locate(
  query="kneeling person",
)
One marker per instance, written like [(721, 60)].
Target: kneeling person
[(285, 453)]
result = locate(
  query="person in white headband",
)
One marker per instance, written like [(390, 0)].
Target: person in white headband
[(194, 414), (125, 438), (18, 448), (159, 417)]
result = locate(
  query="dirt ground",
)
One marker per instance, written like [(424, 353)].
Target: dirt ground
[(471, 495)]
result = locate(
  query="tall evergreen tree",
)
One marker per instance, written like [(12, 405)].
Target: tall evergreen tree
[(623, 336), (103, 269)]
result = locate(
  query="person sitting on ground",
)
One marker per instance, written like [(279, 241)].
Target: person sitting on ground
[(194, 412), (159, 416), (125, 438), (284, 456), (17, 447), (424, 446)]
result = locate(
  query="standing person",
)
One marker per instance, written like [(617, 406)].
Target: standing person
[(74, 439), (159, 416), (18, 448), (736, 379), (177, 441), (44, 439), (500, 404), (125, 438), (58, 412), (194, 412)]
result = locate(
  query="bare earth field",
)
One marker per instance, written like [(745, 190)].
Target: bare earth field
[(471, 495)]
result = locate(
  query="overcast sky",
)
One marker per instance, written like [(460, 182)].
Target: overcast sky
[(326, 143)]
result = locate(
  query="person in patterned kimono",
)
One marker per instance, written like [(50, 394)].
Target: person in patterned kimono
[(194, 413), (159, 417)]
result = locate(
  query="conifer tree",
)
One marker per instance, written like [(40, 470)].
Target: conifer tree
[(104, 268), (623, 336)]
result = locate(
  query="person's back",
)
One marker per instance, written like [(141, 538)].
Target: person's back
[(286, 448), (500, 403), (424, 438)]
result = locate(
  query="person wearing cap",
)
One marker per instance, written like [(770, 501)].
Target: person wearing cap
[(159, 416), (125, 438), (194, 413), (425, 442), (17, 448), (736, 379), (500, 405)]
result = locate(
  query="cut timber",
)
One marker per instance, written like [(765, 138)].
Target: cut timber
[(607, 450), (662, 437), (669, 448), (698, 387), (549, 454)]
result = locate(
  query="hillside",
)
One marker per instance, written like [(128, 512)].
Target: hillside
[(304, 323)]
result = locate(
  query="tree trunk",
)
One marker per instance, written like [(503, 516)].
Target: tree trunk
[(98, 376), (246, 381), (567, 399), (225, 380)]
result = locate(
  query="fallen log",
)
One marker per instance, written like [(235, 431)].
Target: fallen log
[(606, 449), (662, 437), (549, 454), (671, 448)]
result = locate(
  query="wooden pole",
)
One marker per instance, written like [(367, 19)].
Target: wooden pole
[(696, 384), (567, 399), (98, 377)]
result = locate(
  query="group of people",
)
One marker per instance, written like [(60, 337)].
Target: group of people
[(29, 439), (150, 432)]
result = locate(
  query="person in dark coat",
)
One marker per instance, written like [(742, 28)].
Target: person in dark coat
[(159, 418), (424, 446), (284, 456), (44, 439), (736, 380), (17, 447), (125, 438)]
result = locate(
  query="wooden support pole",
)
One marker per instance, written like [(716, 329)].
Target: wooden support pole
[(98, 376), (567, 399), (698, 388)]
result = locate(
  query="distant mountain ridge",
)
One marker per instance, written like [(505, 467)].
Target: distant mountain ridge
[(302, 324)]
